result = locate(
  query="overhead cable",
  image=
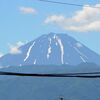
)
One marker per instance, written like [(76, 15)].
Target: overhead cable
[(65, 3)]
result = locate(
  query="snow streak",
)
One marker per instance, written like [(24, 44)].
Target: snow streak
[(29, 50), (81, 55), (35, 61), (49, 49), (54, 36), (61, 48), (83, 59), (78, 45)]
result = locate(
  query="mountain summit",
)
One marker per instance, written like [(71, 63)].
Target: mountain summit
[(51, 49)]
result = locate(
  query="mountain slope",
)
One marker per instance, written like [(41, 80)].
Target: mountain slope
[(51, 49)]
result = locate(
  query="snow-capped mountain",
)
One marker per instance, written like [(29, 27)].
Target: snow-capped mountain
[(51, 49)]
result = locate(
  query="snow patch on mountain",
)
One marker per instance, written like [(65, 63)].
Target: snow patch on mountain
[(35, 61), (83, 59), (78, 45), (81, 54), (49, 49), (29, 50), (54, 36), (61, 48)]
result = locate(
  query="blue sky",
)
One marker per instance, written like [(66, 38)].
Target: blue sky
[(25, 20)]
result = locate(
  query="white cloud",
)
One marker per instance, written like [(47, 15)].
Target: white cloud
[(14, 49), (54, 18), (87, 19), (1, 54), (27, 10), (19, 43)]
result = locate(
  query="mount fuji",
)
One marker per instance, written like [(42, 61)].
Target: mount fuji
[(51, 49)]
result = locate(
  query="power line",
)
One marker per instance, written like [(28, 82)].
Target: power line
[(77, 75), (65, 3), (59, 2)]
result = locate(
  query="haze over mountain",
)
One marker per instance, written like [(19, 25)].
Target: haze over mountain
[(51, 49)]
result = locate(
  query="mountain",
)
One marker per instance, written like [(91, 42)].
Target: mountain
[(51, 49)]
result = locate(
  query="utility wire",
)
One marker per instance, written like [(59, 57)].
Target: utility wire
[(65, 3), (77, 75)]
